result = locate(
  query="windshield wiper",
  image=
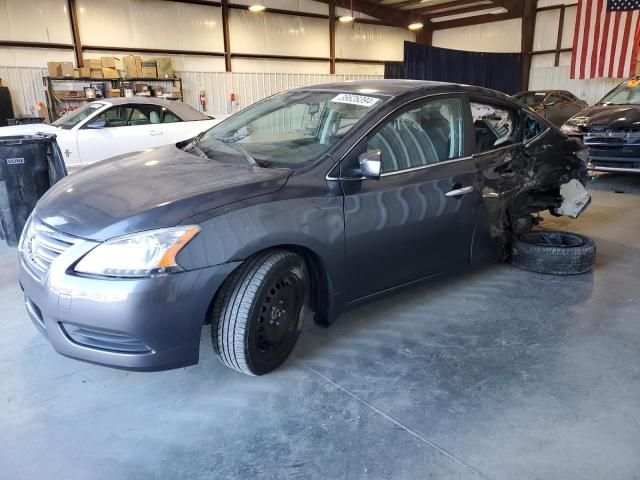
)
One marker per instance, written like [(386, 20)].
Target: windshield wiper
[(198, 150), (252, 161), (233, 141)]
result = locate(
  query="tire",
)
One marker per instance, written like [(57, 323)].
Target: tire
[(258, 312), (553, 252)]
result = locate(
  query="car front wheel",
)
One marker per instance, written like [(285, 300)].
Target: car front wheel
[(258, 313)]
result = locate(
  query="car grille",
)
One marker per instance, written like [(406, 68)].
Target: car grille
[(104, 340), (41, 245), (613, 148)]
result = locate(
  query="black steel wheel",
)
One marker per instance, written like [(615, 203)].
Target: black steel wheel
[(258, 313), (553, 252)]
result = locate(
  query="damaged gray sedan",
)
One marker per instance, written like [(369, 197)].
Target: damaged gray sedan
[(306, 204)]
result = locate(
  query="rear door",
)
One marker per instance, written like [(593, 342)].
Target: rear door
[(418, 219), (497, 129)]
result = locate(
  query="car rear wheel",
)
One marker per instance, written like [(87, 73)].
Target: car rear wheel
[(553, 252), (258, 313)]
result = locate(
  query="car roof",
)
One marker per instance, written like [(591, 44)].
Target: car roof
[(184, 111), (395, 88)]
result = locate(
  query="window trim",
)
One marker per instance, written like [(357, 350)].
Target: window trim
[(460, 95), (499, 103), (526, 143)]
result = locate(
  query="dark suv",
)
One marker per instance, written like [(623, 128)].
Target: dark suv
[(611, 129), (305, 204)]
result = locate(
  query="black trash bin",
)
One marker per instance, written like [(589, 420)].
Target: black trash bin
[(29, 165)]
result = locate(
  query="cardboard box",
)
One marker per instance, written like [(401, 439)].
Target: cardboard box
[(84, 72), (142, 88), (149, 69), (93, 63), (96, 73), (60, 69), (113, 92), (110, 73), (132, 66), (111, 62), (164, 67)]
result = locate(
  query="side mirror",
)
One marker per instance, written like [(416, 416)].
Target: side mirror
[(98, 123), (370, 164)]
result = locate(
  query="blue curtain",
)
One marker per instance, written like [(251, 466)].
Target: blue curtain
[(393, 69), (499, 71)]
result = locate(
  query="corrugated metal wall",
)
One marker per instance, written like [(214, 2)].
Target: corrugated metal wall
[(558, 78), (25, 84)]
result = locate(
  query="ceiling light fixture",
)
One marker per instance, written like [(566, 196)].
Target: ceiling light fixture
[(257, 8), (415, 26), (346, 19)]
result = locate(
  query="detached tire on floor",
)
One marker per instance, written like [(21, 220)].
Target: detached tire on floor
[(553, 252), (258, 313)]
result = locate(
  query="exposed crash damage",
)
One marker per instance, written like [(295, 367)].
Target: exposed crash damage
[(546, 171)]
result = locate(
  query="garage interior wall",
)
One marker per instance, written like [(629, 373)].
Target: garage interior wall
[(505, 36), (122, 26)]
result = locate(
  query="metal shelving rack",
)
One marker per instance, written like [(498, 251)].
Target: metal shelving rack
[(54, 102)]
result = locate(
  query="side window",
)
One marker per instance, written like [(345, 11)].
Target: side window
[(427, 133), (116, 116), (169, 117), (532, 127), (146, 114), (553, 99), (494, 126)]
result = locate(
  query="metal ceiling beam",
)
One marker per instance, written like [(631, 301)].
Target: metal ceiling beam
[(516, 7), (433, 8), (458, 11), (385, 13), (475, 20)]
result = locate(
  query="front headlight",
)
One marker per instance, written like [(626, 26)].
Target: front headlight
[(138, 255), (571, 129)]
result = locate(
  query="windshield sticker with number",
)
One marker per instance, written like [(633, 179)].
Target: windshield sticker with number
[(351, 99)]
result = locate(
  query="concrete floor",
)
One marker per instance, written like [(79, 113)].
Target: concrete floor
[(498, 373)]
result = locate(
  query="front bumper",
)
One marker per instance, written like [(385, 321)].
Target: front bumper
[(613, 152), (142, 324)]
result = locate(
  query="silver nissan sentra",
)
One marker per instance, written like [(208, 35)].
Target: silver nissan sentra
[(303, 205)]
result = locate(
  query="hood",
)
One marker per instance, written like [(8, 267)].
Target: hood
[(151, 189), (29, 129), (610, 116)]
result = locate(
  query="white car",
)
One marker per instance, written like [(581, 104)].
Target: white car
[(113, 126)]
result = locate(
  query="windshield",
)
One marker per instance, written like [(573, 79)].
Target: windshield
[(530, 99), (627, 93), (71, 119), (288, 130)]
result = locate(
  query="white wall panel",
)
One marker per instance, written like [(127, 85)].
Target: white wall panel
[(251, 65), (275, 34), (569, 26), (35, 21), (371, 42), (546, 33), (359, 69), (307, 6), (33, 57), (25, 85), (558, 77), (150, 24), (501, 36)]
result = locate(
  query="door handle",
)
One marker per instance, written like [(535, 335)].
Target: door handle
[(459, 191), (155, 132)]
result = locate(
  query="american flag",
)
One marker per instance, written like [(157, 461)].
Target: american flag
[(606, 38)]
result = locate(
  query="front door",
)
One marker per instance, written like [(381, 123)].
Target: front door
[(418, 219), (129, 128)]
